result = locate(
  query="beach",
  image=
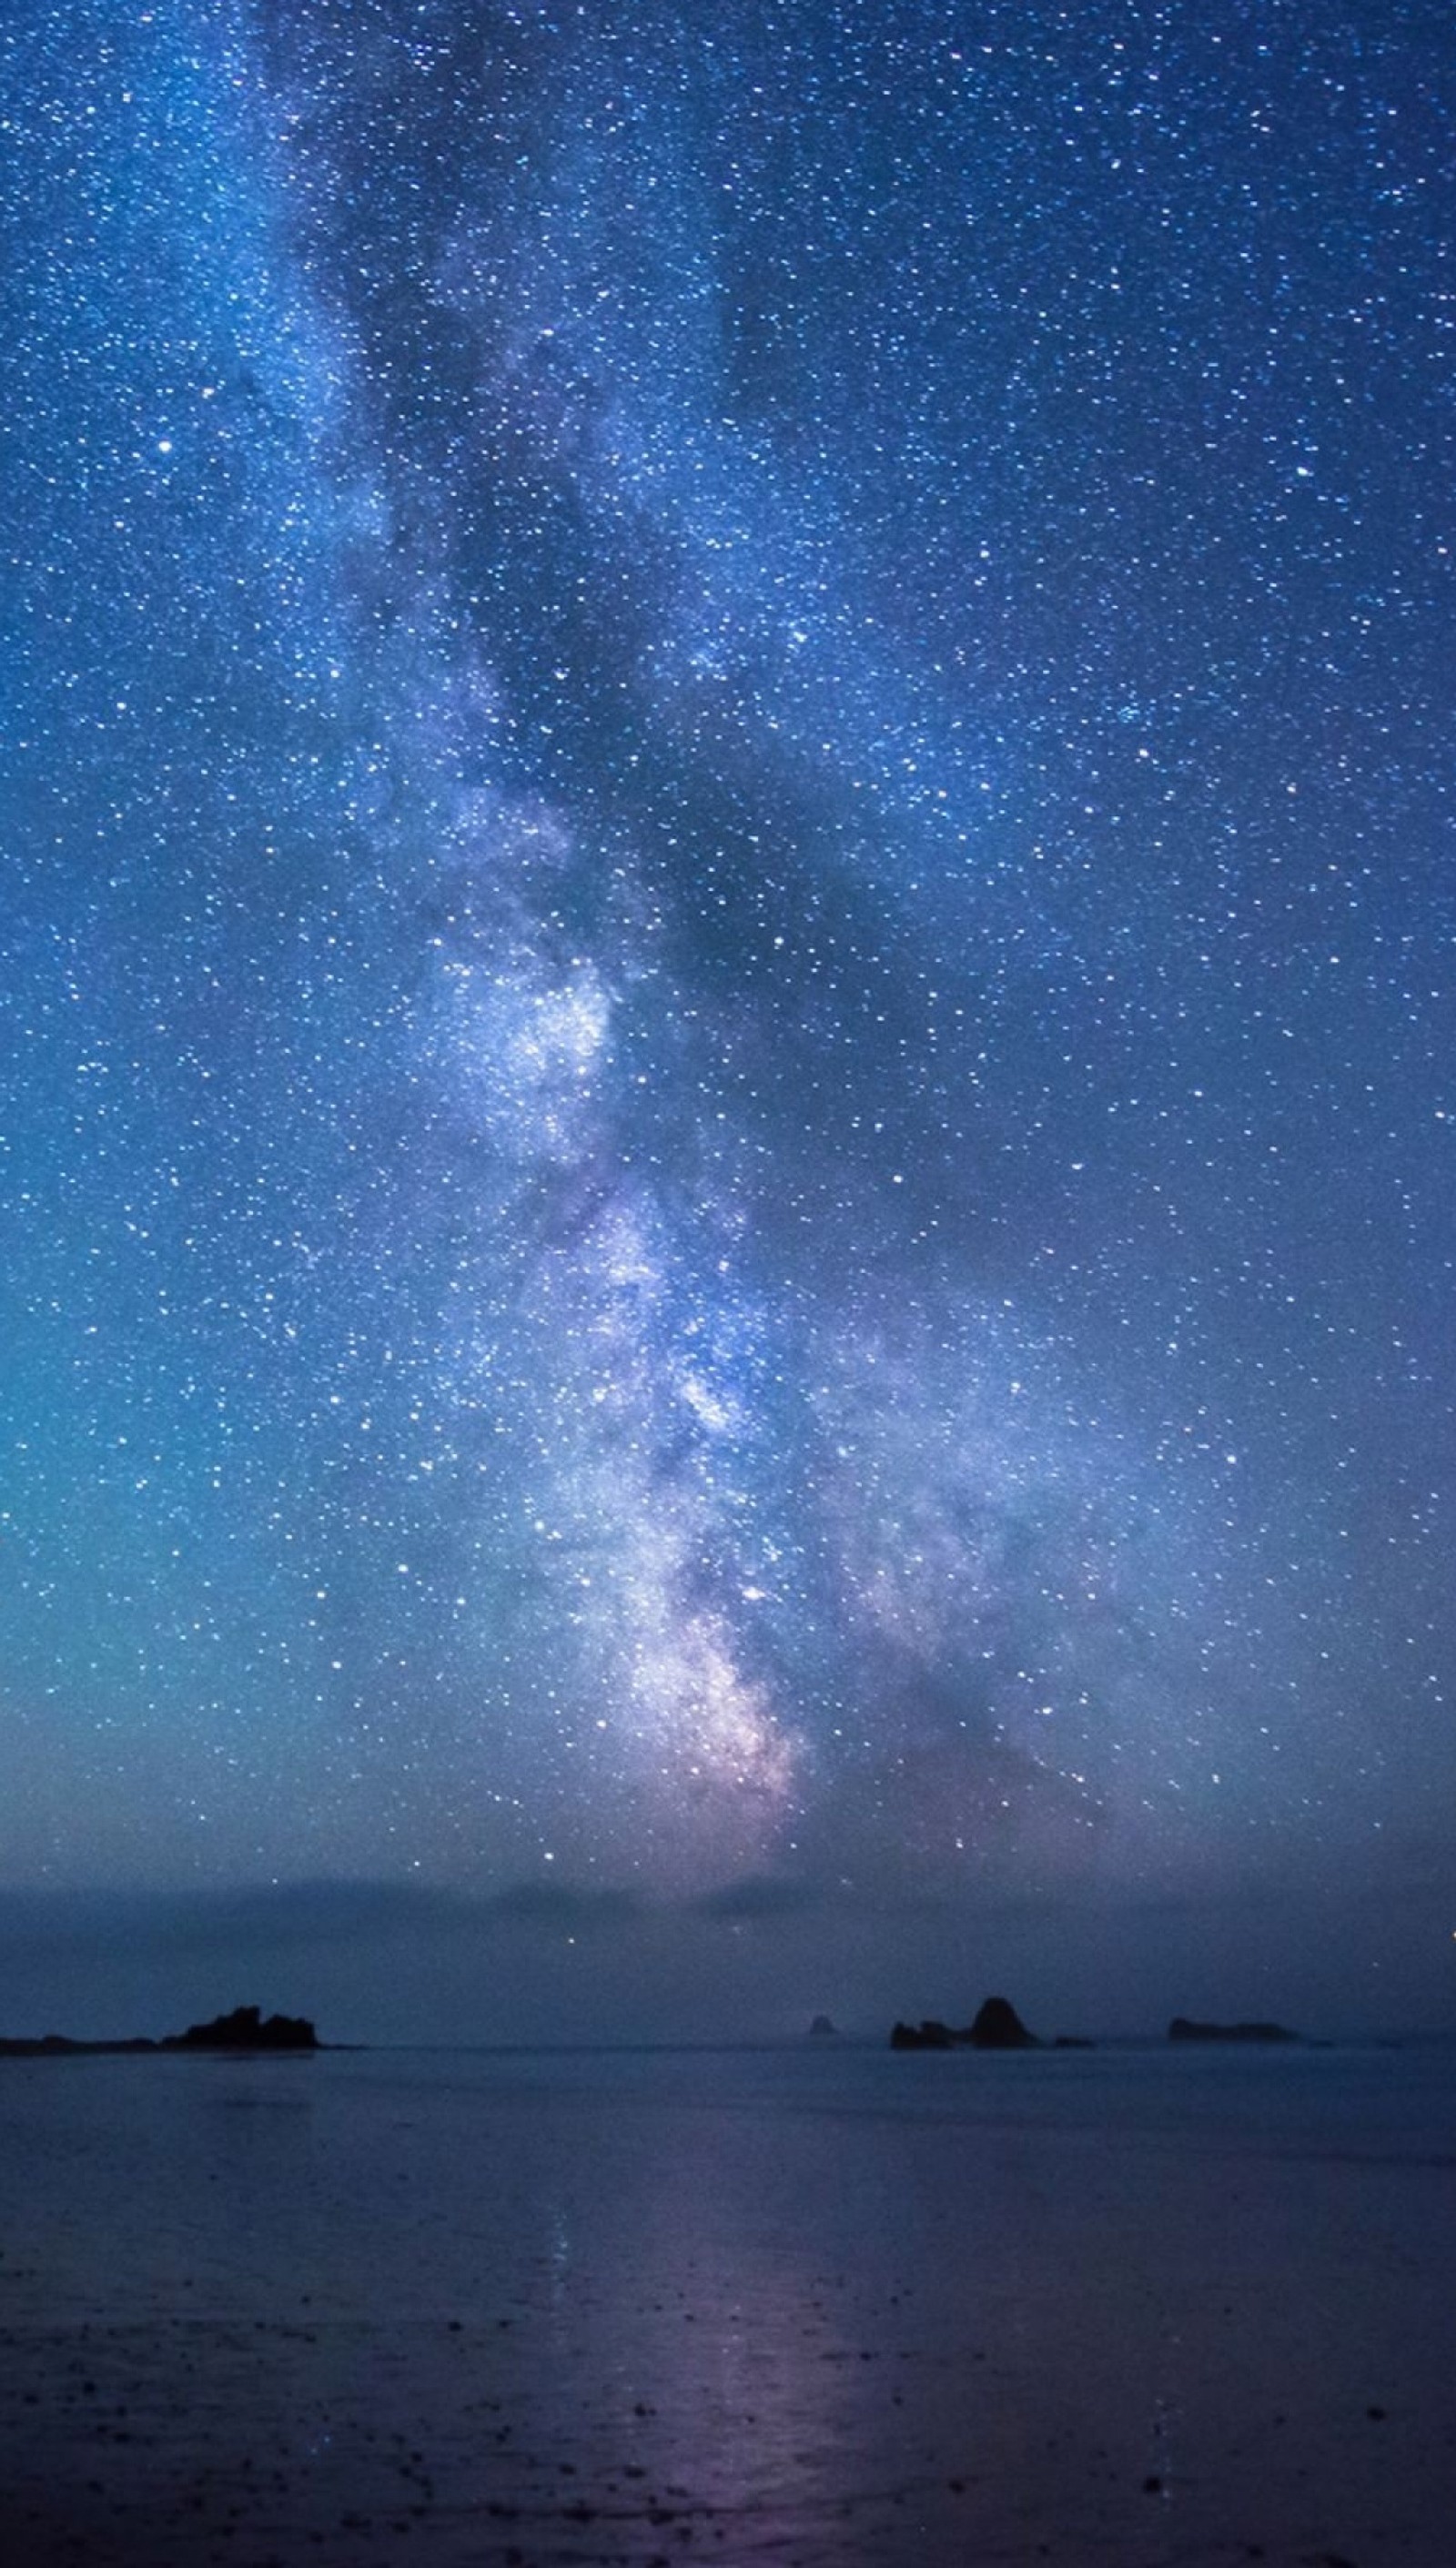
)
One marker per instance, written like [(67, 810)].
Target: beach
[(814, 2305)]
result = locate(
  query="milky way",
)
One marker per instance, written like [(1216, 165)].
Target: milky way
[(726, 1033)]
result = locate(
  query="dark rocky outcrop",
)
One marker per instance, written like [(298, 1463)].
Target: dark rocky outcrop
[(246, 2029), (1185, 2029), (998, 2027), (823, 2029), (930, 2036)]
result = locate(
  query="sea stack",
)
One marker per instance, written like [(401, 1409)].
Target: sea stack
[(998, 2027)]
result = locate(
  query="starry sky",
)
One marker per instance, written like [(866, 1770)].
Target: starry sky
[(726, 1093)]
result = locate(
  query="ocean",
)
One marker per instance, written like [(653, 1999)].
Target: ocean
[(1143, 2307)]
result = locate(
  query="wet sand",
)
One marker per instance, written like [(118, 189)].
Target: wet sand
[(1118, 2307)]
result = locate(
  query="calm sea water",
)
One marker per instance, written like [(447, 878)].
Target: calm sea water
[(1141, 2307)]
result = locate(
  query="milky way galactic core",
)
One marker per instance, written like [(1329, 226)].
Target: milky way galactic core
[(726, 1037)]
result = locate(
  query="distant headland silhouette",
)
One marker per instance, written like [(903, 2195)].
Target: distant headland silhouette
[(1186, 2029), (246, 2029)]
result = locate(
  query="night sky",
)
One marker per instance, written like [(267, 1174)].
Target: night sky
[(727, 1069)]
